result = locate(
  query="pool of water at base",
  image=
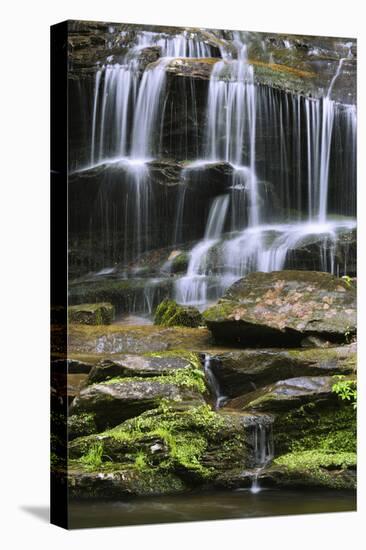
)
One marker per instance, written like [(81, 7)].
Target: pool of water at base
[(208, 506)]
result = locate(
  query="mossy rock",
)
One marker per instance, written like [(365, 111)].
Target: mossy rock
[(120, 398), (149, 365), (119, 481), (238, 371), (315, 468), (101, 313), (281, 308), (170, 314), (196, 444)]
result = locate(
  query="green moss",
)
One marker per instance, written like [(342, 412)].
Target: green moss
[(180, 263), (170, 314), (316, 426), (93, 457), (186, 437), (218, 311), (191, 377), (316, 467)]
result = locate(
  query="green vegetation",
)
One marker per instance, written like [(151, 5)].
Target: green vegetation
[(346, 389), (93, 458), (189, 378), (165, 440), (170, 314)]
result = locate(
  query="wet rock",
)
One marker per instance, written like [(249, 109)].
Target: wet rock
[(282, 308), (191, 67), (139, 365), (116, 339), (241, 371), (127, 295), (120, 481), (313, 468), (118, 400), (170, 314), (195, 443), (101, 313), (286, 394)]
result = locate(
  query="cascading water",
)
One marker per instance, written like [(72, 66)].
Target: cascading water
[(193, 287), (288, 167), (213, 383), (231, 136), (263, 451)]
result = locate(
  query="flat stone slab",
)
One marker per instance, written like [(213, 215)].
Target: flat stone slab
[(286, 394), (282, 308)]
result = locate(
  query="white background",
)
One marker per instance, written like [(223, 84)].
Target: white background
[(24, 287)]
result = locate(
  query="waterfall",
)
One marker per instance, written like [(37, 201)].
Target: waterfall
[(263, 451), (147, 108), (192, 289), (213, 383), (231, 115), (258, 178)]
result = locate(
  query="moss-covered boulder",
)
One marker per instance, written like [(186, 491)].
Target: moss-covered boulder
[(286, 394), (240, 371), (194, 445), (316, 445), (101, 313), (143, 365), (170, 314), (120, 398), (282, 307)]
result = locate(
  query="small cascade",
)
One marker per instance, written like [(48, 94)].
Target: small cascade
[(231, 128), (147, 109), (263, 451), (213, 383), (192, 289)]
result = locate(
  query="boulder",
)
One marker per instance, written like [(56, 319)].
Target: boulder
[(120, 481), (195, 444), (286, 394), (170, 314), (101, 313), (283, 307), (117, 339), (119, 399), (140, 365), (241, 371)]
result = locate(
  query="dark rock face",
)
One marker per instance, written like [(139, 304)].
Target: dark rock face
[(281, 308), (114, 402), (243, 371), (137, 365), (92, 314), (286, 394), (79, 425)]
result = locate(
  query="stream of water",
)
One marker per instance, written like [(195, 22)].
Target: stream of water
[(208, 506)]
